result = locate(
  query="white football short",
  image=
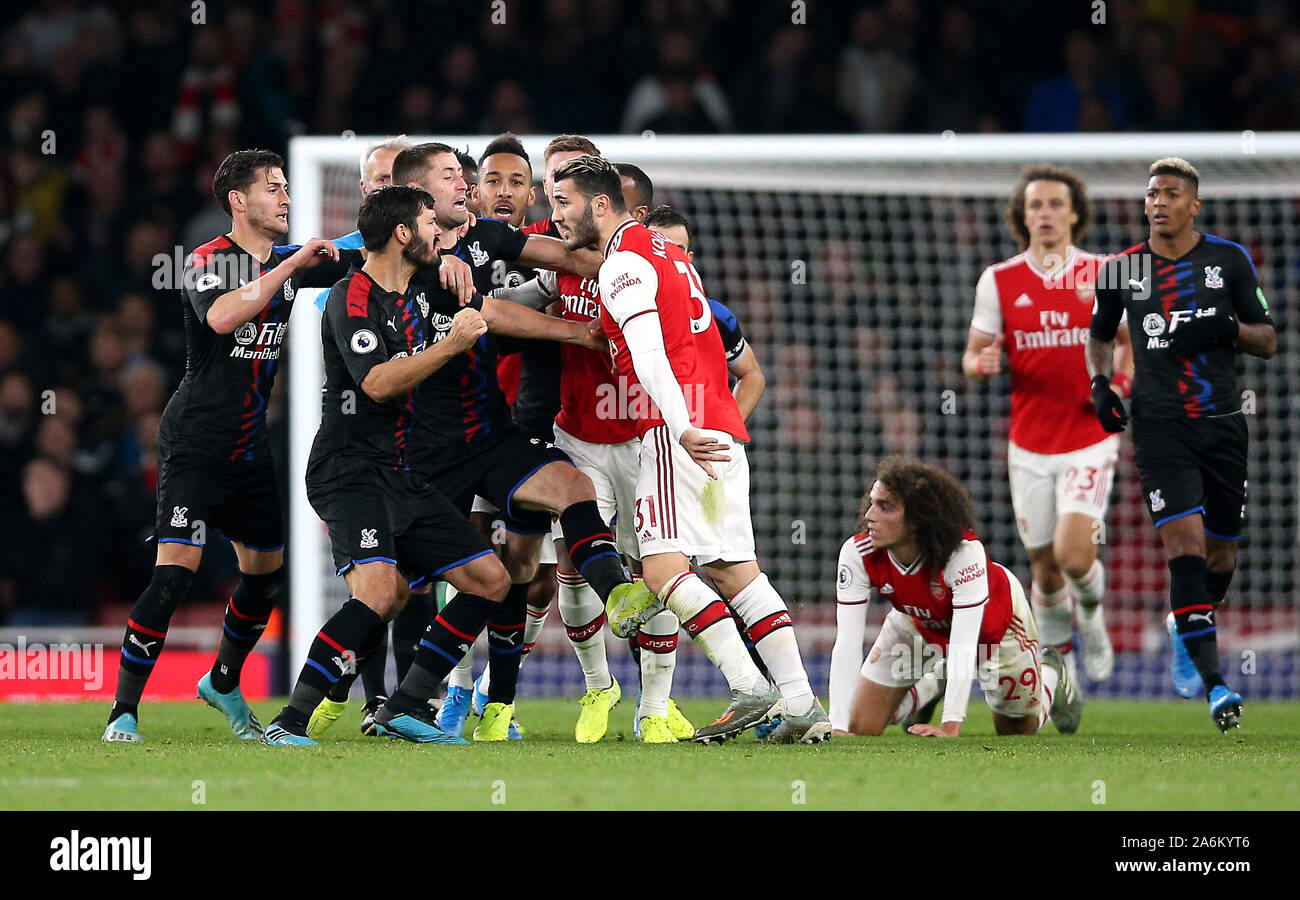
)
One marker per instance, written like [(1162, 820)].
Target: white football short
[(1046, 485), (1010, 676), (612, 469), (679, 508)]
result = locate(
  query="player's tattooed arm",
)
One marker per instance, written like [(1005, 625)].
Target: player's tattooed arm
[(395, 377), (514, 320), (542, 251), (1257, 339), (1255, 332), (1100, 357)]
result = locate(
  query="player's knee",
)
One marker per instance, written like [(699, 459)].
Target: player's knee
[(521, 570), (1011, 725), (493, 582), (542, 589), (1075, 562), (865, 724), (167, 589), (577, 487)]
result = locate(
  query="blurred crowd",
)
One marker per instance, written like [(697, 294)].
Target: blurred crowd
[(115, 117)]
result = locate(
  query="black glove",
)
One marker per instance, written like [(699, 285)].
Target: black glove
[(1110, 409), (1195, 336)]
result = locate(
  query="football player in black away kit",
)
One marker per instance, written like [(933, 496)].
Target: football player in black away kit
[(1197, 299), (466, 444), (214, 457), (383, 336)]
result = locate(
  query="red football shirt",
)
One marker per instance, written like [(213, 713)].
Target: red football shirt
[(1044, 318), (925, 593), (645, 274)]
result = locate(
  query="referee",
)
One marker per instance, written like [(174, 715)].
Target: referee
[(1197, 300)]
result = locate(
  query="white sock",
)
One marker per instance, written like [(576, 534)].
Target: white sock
[(1049, 691), (1053, 616), (921, 693), (767, 620), (1087, 591), (658, 641), (707, 621), (533, 627), (583, 615), (463, 675)]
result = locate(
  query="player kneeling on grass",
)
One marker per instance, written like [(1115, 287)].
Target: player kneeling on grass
[(964, 609)]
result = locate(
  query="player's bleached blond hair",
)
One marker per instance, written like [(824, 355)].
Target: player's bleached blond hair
[(397, 144), (1173, 165)]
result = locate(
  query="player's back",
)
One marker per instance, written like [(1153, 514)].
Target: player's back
[(691, 339)]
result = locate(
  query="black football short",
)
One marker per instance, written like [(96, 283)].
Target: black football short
[(1192, 466), (198, 493), (377, 513), (493, 468)]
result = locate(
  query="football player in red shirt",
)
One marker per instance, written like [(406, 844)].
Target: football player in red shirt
[(1036, 306), (693, 487), (916, 546)]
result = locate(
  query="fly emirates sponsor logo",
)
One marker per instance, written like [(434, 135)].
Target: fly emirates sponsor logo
[(1054, 331)]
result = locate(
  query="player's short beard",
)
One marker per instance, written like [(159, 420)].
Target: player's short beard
[(419, 252), (584, 233)]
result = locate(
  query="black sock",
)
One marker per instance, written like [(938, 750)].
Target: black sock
[(247, 613), (367, 657), (592, 548), (146, 632), (333, 654), (375, 668), (449, 637), (634, 644), (506, 644), (1216, 585), (409, 626), (1194, 615)]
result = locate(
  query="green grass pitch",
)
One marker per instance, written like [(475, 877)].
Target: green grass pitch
[(1130, 755)]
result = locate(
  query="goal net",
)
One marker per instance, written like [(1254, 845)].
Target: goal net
[(851, 264)]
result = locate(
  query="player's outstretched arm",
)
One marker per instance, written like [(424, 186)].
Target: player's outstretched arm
[(545, 252), (533, 293), (515, 320), (234, 308), (395, 377)]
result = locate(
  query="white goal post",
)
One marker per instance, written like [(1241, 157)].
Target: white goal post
[(893, 231)]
